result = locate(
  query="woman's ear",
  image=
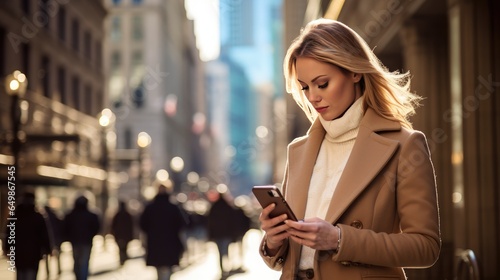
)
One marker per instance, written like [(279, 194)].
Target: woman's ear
[(356, 77)]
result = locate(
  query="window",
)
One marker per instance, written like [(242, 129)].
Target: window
[(137, 28), (89, 99), (137, 67), (87, 46), (75, 39), (42, 17), (136, 2), (136, 85), (61, 23), (116, 79), (128, 138), (75, 91), (26, 59), (45, 75), (61, 84), (3, 36), (116, 29), (117, 2), (116, 61), (98, 103), (137, 58), (26, 6), (98, 55)]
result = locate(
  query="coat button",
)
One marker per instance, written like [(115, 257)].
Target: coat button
[(357, 224), (310, 274)]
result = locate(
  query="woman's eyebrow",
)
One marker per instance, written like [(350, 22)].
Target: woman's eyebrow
[(312, 81)]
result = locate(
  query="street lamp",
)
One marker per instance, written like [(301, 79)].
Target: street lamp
[(15, 85), (106, 121), (177, 165), (143, 141), (106, 118)]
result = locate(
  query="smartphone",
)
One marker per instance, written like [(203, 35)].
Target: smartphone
[(271, 194)]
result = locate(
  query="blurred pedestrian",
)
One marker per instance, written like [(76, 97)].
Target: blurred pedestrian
[(241, 226), (162, 222), (122, 228), (55, 226), (30, 240), (221, 229), (80, 227)]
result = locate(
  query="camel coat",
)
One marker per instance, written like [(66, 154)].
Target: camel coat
[(385, 204)]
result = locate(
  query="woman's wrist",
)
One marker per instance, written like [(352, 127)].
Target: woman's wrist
[(339, 236), (270, 250)]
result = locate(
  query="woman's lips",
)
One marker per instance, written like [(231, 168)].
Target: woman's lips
[(321, 109)]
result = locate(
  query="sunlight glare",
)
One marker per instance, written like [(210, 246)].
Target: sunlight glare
[(205, 14)]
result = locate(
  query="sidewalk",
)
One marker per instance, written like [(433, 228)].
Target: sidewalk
[(202, 263)]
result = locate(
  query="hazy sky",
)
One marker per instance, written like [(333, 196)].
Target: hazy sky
[(205, 14)]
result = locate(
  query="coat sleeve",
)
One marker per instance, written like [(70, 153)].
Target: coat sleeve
[(46, 243), (418, 243), (143, 219), (276, 262), (97, 224)]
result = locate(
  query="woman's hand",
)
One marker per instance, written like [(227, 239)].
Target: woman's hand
[(315, 233), (275, 228)]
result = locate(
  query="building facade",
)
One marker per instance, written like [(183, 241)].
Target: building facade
[(51, 133), (155, 85)]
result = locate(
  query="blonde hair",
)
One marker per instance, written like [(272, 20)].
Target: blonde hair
[(330, 41)]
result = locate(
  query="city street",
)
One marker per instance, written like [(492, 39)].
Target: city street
[(202, 263)]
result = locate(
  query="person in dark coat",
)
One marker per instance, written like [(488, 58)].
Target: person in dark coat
[(81, 225), (25, 248), (241, 226), (55, 226), (162, 222), (221, 228), (122, 228)]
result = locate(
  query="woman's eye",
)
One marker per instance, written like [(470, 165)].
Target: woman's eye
[(305, 88), (323, 85)]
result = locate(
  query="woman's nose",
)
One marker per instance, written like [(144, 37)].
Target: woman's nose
[(313, 97)]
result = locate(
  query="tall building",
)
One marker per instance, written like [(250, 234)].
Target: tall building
[(51, 134), (247, 31), (451, 50), (218, 99), (154, 83)]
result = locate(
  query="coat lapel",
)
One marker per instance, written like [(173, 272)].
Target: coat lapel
[(369, 155), (302, 157)]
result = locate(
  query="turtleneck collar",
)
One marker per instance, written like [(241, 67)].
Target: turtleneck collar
[(346, 127)]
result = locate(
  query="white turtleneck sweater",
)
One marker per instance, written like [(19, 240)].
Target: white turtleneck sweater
[(332, 158)]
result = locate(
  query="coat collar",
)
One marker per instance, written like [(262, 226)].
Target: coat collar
[(370, 153)]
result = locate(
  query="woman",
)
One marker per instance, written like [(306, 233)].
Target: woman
[(361, 178)]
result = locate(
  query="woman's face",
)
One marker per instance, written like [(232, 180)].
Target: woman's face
[(329, 90)]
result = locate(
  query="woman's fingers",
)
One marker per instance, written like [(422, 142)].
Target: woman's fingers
[(314, 233)]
